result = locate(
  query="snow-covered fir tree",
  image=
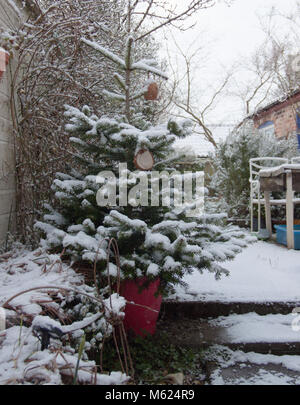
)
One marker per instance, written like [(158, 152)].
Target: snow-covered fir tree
[(154, 241)]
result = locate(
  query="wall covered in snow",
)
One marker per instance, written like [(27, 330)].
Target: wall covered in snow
[(9, 17)]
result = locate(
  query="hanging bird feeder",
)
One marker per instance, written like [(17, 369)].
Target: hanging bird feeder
[(144, 160), (152, 91), (4, 59)]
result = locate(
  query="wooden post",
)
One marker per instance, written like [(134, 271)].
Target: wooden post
[(289, 211), (268, 212)]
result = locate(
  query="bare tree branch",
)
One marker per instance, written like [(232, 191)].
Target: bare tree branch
[(194, 6), (198, 114)]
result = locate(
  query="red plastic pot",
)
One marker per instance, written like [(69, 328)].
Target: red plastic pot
[(141, 321)]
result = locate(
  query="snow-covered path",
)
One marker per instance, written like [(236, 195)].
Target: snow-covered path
[(262, 272)]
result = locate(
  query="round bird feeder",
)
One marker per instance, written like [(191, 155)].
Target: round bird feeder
[(144, 160)]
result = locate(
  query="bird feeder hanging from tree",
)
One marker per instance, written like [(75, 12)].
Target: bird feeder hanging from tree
[(144, 160), (152, 92), (4, 59)]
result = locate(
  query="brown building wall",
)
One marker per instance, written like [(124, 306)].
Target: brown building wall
[(282, 114)]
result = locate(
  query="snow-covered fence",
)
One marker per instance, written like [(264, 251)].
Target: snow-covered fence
[(10, 16)]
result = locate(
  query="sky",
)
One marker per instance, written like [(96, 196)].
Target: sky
[(227, 34), (236, 28)]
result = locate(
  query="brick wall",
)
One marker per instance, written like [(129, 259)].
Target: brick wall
[(8, 17), (282, 114)]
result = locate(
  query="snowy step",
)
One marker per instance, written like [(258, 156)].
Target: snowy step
[(213, 309), (277, 334), (227, 367), (262, 273)]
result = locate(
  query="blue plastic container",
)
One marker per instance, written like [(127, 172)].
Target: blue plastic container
[(281, 235)]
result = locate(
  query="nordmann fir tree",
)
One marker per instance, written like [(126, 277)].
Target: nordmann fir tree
[(154, 241)]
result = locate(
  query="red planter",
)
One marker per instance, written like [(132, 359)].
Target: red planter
[(141, 320)]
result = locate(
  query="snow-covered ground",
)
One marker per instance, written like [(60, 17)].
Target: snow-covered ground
[(254, 328), (23, 270), (239, 368), (262, 272)]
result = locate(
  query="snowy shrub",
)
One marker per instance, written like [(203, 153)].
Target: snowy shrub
[(21, 362), (41, 293), (230, 181)]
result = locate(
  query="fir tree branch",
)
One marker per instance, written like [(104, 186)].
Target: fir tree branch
[(146, 68), (105, 52), (114, 96)]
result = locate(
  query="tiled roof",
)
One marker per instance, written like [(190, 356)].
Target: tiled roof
[(275, 103)]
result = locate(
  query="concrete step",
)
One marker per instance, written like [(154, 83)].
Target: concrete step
[(213, 309), (227, 367), (248, 332)]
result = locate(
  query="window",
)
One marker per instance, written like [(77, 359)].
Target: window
[(267, 128), (298, 122)]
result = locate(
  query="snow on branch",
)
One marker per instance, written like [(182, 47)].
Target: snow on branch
[(114, 96), (141, 65), (140, 93), (145, 65), (105, 52), (120, 81)]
